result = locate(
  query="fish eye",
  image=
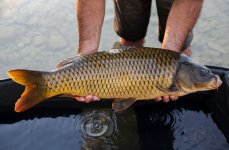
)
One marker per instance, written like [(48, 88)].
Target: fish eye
[(187, 63), (203, 72), (209, 71)]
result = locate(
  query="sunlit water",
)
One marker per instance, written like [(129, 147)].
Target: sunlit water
[(39, 34)]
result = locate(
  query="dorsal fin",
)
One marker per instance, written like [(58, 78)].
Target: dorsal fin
[(67, 61)]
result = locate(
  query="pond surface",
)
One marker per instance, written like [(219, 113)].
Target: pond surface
[(185, 125), (39, 34)]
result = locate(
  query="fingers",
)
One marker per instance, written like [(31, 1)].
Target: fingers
[(158, 99), (166, 98), (91, 98), (87, 99), (95, 98), (81, 99), (173, 98)]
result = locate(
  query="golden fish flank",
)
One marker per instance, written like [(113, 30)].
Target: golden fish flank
[(134, 73)]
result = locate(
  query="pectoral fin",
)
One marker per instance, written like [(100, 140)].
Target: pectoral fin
[(121, 104), (172, 89)]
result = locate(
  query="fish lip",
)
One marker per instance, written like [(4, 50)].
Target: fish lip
[(217, 82)]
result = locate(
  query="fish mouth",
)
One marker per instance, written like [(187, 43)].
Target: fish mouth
[(216, 83)]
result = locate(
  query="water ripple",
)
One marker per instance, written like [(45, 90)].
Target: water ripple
[(98, 123), (99, 129), (168, 119)]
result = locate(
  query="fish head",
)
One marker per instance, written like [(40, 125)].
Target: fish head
[(192, 77)]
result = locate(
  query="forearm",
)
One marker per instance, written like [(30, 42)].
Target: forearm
[(90, 15), (182, 18)]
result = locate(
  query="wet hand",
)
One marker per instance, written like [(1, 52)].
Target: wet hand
[(166, 98), (87, 99)]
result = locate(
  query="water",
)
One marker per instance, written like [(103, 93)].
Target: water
[(69, 129), (38, 34), (182, 125), (97, 124)]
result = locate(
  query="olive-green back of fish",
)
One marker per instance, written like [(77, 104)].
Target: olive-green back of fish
[(133, 73), (136, 73)]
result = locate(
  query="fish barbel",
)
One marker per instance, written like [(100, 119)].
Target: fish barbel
[(126, 75)]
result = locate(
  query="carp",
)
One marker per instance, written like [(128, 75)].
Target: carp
[(126, 75)]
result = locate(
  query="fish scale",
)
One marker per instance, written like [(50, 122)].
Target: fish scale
[(120, 74), (128, 74)]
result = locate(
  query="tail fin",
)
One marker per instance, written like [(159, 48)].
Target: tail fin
[(32, 94)]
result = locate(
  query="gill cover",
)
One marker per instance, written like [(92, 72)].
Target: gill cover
[(193, 77)]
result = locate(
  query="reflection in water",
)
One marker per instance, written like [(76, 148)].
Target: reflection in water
[(165, 126), (96, 129), (39, 133), (98, 123), (99, 130), (167, 119), (106, 129), (157, 126)]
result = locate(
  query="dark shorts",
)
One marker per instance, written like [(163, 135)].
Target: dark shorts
[(132, 19)]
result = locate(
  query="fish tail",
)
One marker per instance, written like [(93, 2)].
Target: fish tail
[(33, 93)]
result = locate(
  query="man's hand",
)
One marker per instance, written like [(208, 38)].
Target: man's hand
[(181, 20), (166, 98), (87, 99)]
